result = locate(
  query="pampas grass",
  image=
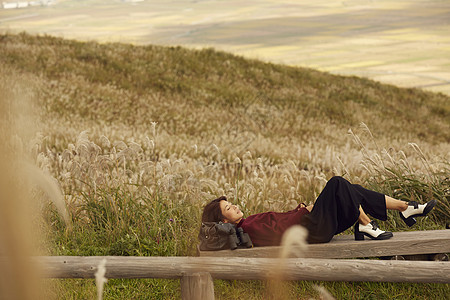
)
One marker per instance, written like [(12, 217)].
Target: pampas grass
[(18, 275), (100, 278), (21, 184), (293, 243)]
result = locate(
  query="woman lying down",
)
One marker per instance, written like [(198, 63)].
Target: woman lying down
[(339, 206)]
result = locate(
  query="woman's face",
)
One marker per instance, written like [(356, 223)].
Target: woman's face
[(231, 212)]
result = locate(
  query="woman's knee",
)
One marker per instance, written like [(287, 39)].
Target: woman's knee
[(336, 180)]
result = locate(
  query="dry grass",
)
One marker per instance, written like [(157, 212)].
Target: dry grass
[(18, 276)]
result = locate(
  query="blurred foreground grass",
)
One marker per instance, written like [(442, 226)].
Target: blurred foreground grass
[(140, 138)]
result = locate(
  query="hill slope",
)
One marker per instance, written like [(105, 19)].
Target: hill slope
[(196, 92)]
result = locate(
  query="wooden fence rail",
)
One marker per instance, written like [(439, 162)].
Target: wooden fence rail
[(345, 246), (248, 268)]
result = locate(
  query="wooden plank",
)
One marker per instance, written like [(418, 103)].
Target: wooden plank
[(345, 246), (197, 286), (238, 268)]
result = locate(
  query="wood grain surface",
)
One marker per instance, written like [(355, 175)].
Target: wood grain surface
[(345, 246), (239, 268)]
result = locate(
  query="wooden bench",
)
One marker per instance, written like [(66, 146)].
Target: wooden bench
[(430, 244)]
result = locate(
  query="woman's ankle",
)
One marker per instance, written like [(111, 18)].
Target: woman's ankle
[(403, 206), (394, 204), (364, 222)]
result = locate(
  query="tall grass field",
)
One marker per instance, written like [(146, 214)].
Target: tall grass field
[(127, 143)]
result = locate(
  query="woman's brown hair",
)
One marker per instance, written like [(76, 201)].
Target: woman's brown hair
[(212, 211)]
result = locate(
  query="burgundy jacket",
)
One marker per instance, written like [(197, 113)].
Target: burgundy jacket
[(266, 229)]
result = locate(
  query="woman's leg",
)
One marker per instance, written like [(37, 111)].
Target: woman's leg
[(341, 204), (363, 218), (366, 227), (394, 204), (338, 208), (391, 203), (409, 210)]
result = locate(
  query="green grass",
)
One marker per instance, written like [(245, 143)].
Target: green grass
[(242, 289), (140, 138)]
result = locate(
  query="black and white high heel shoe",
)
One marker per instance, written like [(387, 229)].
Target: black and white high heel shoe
[(416, 210), (371, 230)]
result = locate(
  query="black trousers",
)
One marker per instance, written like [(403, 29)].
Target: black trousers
[(337, 209)]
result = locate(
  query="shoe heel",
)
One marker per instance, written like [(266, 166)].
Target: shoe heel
[(359, 236), (410, 221)]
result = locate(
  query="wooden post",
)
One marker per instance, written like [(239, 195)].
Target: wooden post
[(197, 286)]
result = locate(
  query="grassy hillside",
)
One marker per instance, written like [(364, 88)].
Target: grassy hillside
[(132, 86), (139, 138)]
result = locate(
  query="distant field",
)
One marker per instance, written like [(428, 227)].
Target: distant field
[(405, 43)]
